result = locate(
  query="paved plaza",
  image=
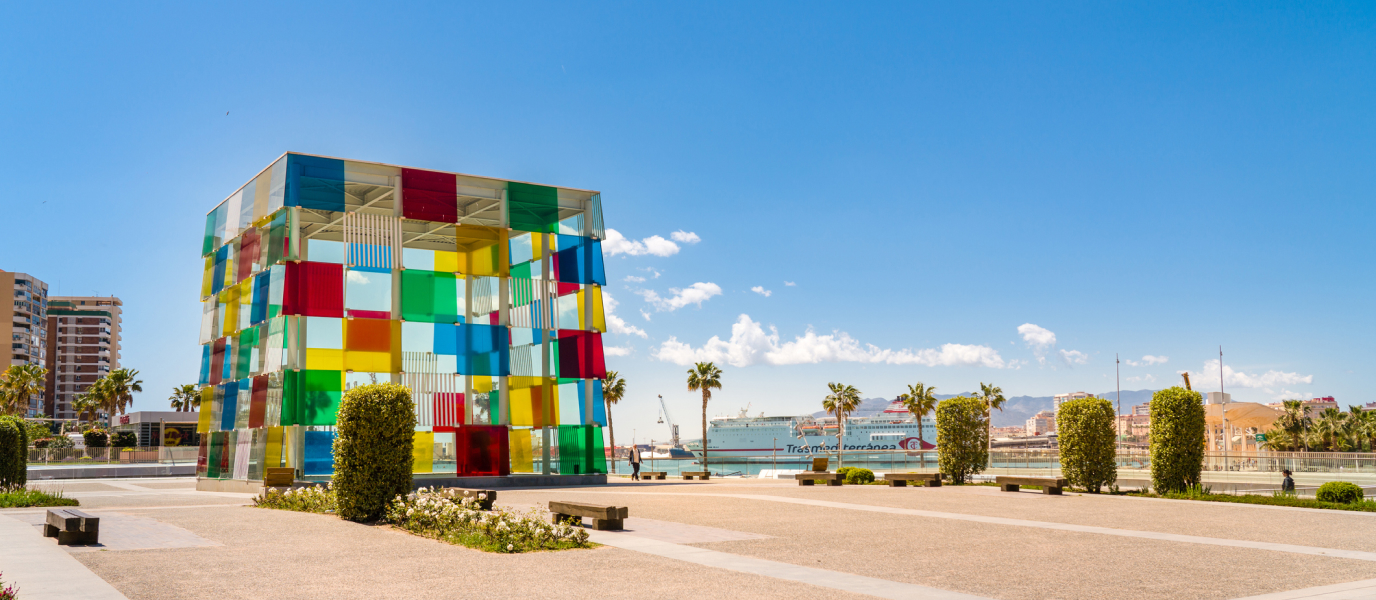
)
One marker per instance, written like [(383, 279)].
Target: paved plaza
[(735, 538)]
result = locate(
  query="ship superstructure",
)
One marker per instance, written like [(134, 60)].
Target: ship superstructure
[(892, 429)]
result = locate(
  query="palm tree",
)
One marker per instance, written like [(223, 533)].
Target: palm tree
[(1329, 427), (86, 405), (185, 398), (920, 401), (120, 386), (1357, 422), (704, 377), (1295, 422), (613, 388), (842, 401), (18, 384), (992, 397)]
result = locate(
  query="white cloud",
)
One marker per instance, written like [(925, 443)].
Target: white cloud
[(1073, 357), (1288, 395), (1039, 339), (750, 344), (634, 279), (618, 244), (686, 237), (759, 289), (1147, 360), (649, 270), (1141, 378), (645, 314), (694, 294), (616, 350), (616, 324), (1231, 378), (790, 284)]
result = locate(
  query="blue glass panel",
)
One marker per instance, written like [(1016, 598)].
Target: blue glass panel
[(315, 182), (205, 365), (261, 284), (230, 405), (446, 338), (218, 278), (319, 453), (227, 370), (599, 404), (484, 350)]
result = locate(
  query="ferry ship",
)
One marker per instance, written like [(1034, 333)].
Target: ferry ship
[(892, 429)]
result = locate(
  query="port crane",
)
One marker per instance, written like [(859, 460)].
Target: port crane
[(664, 417)]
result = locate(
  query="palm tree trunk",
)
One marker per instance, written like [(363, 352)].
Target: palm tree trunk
[(921, 445), (611, 433), (704, 430)]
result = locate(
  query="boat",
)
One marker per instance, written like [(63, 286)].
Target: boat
[(743, 436), (667, 452)]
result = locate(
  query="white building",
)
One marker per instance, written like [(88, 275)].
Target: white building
[(1062, 398), (1218, 398), (1041, 423)]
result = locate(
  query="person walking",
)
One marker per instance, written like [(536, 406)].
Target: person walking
[(635, 463), (1287, 485)]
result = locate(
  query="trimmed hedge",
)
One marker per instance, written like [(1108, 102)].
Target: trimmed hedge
[(14, 453), (374, 432), (963, 442), (855, 475), (96, 438), (124, 439), (1340, 492), (1088, 443), (1177, 439)]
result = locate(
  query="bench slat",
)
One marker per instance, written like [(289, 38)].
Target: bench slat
[(594, 511), (1042, 481)]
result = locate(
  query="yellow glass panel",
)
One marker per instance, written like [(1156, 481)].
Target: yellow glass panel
[(208, 278), (552, 405), (522, 451), (272, 457), (423, 452), (482, 250), (520, 404), (245, 302), (370, 362), (229, 298), (599, 320), (207, 398), (325, 359), (446, 262), (483, 384)]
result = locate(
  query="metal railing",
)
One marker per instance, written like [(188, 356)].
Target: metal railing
[(172, 455)]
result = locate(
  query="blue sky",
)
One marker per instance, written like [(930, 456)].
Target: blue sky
[(927, 193)]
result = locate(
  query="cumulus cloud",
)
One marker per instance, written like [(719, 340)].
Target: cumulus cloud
[(1039, 339), (616, 243), (1073, 357), (750, 345), (1147, 360), (1231, 378), (1141, 378), (686, 237), (694, 294), (645, 314), (616, 350), (634, 279), (789, 284), (616, 324), (759, 289)]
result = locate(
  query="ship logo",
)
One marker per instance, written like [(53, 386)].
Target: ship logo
[(914, 444)]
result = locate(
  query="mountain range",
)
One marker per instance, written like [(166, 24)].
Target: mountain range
[(1016, 411)]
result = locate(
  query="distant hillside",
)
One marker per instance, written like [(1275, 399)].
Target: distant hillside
[(1016, 411)]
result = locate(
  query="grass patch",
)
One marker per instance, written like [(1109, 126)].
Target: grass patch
[(447, 516), (22, 497), (1272, 500)]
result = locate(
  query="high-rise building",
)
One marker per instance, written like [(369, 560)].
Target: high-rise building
[(1063, 398), (22, 322), (481, 295), (84, 347)]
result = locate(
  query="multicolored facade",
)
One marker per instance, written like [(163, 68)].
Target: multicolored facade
[(483, 296)]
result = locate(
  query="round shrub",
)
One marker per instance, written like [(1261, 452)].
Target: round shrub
[(1340, 492), (1177, 439), (96, 437), (855, 475), (14, 453), (124, 439), (1088, 442), (374, 431), (962, 438)]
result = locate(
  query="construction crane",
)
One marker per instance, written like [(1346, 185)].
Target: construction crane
[(664, 417)]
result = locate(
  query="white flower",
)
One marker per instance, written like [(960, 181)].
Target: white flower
[(509, 546)]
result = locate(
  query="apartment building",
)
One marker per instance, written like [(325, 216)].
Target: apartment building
[(23, 316), (85, 347), (1063, 398), (1041, 423)]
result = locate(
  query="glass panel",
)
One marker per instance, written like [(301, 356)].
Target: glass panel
[(532, 207), (368, 293), (429, 196), (483, 350), (315, 182), (372, 345), (326, 251), (522, 450), (423, 452), (580, 355), (482, 450), (431, 296), (314, 289), (482, 250), (319, 453), (444, 457)]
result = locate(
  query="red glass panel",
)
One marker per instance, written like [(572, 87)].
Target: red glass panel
[(314, 290), (259, 403), (482, 450), (580, 355), (429, 196), (217, 361), (249, 245), (448, 410), (569, 288), (202, 461), (370, 314)]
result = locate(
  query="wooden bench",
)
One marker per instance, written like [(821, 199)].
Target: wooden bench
[(1050, 485), (812, 478), (483, 498), (701, 475), (72, 526), (653, 474), (819, 465), (603, 517), (902, 479), (279, 476)]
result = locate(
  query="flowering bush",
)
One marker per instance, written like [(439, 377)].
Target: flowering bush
[(447, 516), (314, 499), (8, 592)]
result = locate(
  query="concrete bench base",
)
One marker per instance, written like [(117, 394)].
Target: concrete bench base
[(1050, 485), (902, 479), (701, 475), (604, 518), (813, 478), (653, 475), (71, 526)]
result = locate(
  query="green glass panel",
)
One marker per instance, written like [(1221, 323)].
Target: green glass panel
[(581, 450), (429, 296), (321, 392), (532, 207)]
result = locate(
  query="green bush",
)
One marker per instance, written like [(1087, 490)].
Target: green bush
[(374, 432), (60, 441), (38, 430), (962, 438), (124, 439), (855, 475), (1177, 439), (313, 499), (14, 453), (1340, 492), (96, 437), (1088, 443)]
